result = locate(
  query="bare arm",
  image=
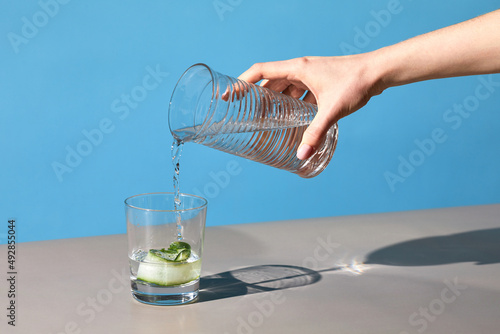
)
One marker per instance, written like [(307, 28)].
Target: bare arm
[(342, 85), (468, 48)]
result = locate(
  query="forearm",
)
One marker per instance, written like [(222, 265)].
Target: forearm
[(468, 48)]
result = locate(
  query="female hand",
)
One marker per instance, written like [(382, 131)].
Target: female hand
[(338, 85)]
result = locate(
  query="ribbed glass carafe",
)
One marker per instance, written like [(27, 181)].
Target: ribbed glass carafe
[(246, 120)]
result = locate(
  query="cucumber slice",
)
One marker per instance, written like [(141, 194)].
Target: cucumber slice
[(179, 245), (167, 267), (160, 271), (162, 255), (183, 255)]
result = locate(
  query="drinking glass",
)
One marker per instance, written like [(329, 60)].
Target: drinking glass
[(165, 245)]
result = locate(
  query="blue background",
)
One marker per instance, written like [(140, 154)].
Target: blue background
[(69, 75)]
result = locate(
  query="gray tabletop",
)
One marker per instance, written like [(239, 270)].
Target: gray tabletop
[(430, 271)]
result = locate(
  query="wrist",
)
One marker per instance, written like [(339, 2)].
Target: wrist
[(386, 68), (377, 71)]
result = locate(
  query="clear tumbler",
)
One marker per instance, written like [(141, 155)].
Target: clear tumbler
[(246, 120), (165, 267)]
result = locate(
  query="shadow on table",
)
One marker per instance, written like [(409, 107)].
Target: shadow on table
[(256, 279), (481, 246)]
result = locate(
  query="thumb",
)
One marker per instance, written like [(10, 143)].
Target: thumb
[(314, 135)]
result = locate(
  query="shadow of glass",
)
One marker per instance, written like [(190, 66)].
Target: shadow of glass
[(481, 247), (256, 279)]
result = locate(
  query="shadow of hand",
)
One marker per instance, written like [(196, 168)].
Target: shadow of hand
[(481, 246)]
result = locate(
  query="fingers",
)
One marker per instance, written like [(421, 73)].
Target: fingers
[(235, 91), (276, 85), (310, 98), (271, 70), (274, 75), (280, 76), (315, 134), (294, 91), (289, 77)]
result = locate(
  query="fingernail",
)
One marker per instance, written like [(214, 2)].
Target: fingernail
[(304, 151)]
